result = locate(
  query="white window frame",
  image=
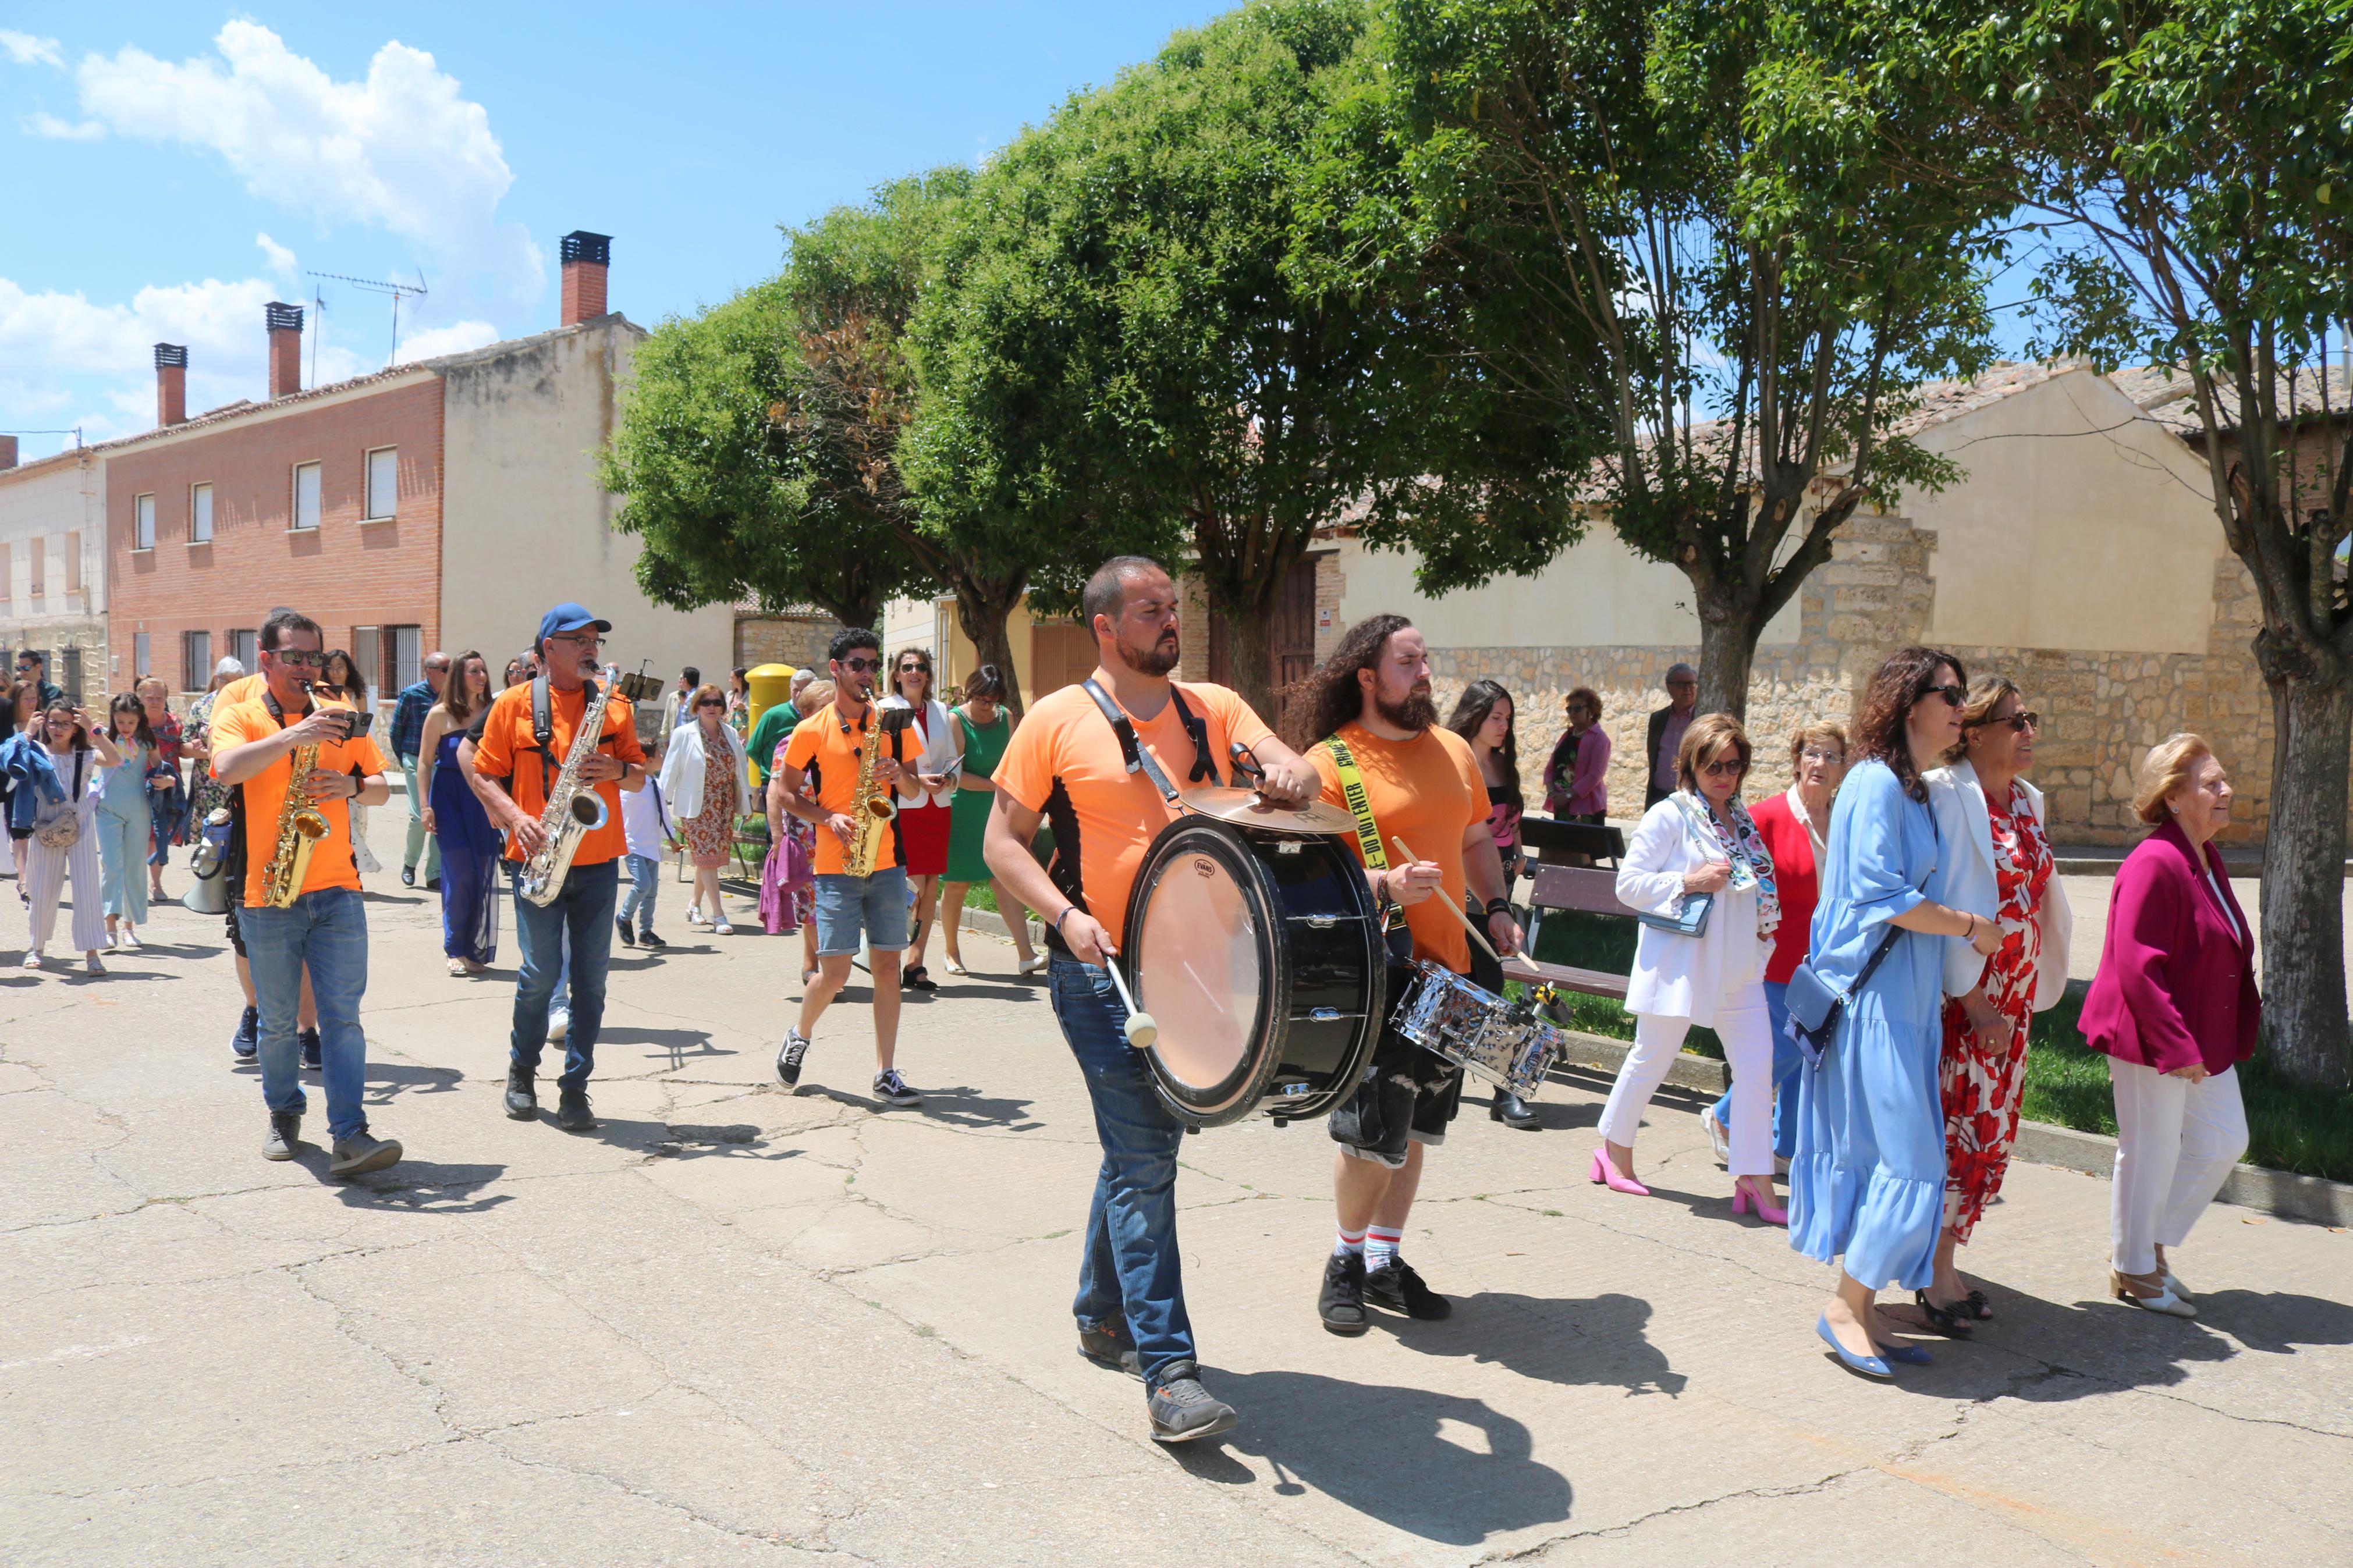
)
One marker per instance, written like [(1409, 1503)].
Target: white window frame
[(381, 508), (200, 512), (318, 499), (196, 660), (143, 521)]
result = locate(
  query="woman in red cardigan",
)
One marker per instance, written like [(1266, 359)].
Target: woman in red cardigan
[(2174, 1009)]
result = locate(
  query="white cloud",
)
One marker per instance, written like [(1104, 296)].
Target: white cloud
[(454, 339), (401, 150), (26, 50), (92, 364), (41, 123), (282, 261)]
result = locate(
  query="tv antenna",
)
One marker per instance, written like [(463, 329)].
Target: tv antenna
[(399, 292)]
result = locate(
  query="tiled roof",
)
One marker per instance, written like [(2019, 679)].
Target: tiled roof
[(2165, 391)]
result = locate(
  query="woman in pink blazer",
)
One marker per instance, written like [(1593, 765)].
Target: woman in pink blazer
[(2174, 1009)]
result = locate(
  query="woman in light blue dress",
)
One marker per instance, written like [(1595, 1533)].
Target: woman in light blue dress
[(1867, 1184)]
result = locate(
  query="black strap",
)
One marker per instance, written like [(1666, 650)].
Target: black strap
[(1204, 764), (543, 728)]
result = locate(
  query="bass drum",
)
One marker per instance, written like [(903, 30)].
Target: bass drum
[(1258, 953)]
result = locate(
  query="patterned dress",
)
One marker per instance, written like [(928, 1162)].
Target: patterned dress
[(205, 792), (710, 832), (1981, 1080)]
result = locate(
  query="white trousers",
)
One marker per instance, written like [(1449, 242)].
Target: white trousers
[(1747, 1030), (2176, 1142), (45, 871)]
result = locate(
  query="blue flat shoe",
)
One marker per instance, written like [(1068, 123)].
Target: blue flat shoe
[(1910, 1355), (1866, 1365)]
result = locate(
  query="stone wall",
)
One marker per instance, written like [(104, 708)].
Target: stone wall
[(2101, 712), (797, 641)]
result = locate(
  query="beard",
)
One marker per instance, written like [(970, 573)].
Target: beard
[(1158, 660), (1416, 713)]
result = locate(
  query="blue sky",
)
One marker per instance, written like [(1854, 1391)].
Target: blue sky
[(171, 168)]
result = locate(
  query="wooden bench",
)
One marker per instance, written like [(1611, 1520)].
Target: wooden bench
[(1583, 902), (1559, 843)]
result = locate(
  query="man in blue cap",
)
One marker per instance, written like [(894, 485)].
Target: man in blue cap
[(526, 739)]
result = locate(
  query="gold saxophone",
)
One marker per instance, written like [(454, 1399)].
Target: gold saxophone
[(871, 807), (300, 826)]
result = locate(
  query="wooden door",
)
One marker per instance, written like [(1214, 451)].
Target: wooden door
[(1291, 633)]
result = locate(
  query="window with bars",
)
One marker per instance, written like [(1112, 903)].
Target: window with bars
[(407, 645), (245, 647), (196, 660)]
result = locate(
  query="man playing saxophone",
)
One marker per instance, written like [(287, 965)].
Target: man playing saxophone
[(526, 750), (850, 758), (301, 898)]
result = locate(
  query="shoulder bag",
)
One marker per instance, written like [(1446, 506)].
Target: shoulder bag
[(1815, 1008), (63, 831), (1692, 919)]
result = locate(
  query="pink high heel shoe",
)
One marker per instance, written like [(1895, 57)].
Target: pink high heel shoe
[(1606, 1174), (1743, 1196)]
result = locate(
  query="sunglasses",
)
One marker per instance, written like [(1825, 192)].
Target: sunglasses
[(298, 658), (1723, 767), (862, 666), (711, 702), (1953, 696), (2020, 722)]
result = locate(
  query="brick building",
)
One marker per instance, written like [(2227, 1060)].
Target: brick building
[(443, 503)]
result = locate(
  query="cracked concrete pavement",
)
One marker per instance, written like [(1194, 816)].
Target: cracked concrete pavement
[(738, 1326)]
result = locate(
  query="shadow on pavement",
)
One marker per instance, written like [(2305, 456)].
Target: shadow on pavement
[(968, 1107), (1444, 1468), (679, 1046), (419, 1186), (1556, 1117), (1597, 1340), (387, 1079)]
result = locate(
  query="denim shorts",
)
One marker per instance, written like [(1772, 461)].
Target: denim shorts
[(873, 907)]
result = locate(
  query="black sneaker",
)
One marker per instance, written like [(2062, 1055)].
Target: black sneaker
[(1342, 1304), (245, 1044), (310, 1038), (285, 1135), (648, 939), (523, 1094), (408, 876), (1395, 1286), (891, 1090), (572, 1113), (1182, 1410), (621, 924), (1104, 1348), (788, 1058)]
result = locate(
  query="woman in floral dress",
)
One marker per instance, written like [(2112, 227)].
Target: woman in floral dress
[(2000, 868)]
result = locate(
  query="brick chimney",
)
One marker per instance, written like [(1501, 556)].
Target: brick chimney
[(7, 451), (285, 347), (586, 259), (171, 384)]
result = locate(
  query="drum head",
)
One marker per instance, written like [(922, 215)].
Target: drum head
[(1249, 809), (1203, 962)]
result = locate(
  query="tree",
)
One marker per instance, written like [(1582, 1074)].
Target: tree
[(2197, 158), (729, 510), (1664, 212)]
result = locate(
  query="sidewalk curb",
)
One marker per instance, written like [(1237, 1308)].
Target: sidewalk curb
[(2255, 1187)]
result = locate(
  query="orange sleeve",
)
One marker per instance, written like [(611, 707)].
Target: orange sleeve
[(1478, 783), (800, 750), (494, 753), (360, 751), (234, 726), (1319, 757), (1026, 772), (1238, 718)]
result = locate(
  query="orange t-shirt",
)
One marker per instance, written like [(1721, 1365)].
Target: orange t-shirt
[(1065, 762), (1428, 792), (331, 863), (506, 751), (821, 740), (244, 689)]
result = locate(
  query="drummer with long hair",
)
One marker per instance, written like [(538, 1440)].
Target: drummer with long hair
[(1069, 760), (1365, 718)]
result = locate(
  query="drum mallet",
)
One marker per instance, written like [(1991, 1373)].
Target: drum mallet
[(1476, 934), (1141, 1030)]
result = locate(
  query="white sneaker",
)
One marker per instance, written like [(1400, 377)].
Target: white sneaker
[(559, 1023)]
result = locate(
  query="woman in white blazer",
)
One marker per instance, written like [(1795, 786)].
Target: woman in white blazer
[(1995, 863), (1699, 842), (707, 780)]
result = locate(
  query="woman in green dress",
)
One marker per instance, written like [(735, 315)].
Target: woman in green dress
[(983, 729)]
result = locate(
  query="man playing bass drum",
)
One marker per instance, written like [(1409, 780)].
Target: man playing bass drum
[(514, 755), (1068, 764), (1365, 718)]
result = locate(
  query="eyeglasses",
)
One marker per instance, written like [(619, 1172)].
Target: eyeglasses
[(298, 659), (862, 666), (1723, 767), (580, 639), (2020, 722), (1834, 759), (1953, 696)]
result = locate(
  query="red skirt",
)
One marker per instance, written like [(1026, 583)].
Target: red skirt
[(924, 837)]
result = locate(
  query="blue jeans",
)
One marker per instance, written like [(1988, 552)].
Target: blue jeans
[(1787, 1059), (327, 932), (577, 926), (1131, 1268), (873, 907), (645, 882)]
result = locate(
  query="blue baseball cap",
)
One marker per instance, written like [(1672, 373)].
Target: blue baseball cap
[(568, 617)]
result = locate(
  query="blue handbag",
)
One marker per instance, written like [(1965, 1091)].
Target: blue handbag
[(1692, 922)]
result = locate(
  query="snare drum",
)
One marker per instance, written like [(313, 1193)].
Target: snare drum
[(1258, 952), (1504, 1042)]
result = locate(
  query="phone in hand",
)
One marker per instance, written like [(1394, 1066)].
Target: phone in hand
[(356, 722)]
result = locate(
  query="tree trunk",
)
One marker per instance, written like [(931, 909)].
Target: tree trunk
[(2304, 883), (984, 622), (1728, 629), (1251, 657)]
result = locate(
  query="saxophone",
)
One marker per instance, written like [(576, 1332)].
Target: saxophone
[(573, 809), (300, 826), (871, 807)]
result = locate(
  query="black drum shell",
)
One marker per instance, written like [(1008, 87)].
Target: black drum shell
[(1325, 995)]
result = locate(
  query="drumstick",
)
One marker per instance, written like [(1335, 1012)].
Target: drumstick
[(1476, 934), (1141, 1030)]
